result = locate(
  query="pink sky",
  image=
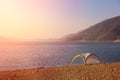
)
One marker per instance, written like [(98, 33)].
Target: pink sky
[(44, 19), (35, 18)]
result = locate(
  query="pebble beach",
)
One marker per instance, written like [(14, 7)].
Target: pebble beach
[(104, 71)]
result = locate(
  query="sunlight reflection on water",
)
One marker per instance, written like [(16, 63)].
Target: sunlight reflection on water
[(55, 54)]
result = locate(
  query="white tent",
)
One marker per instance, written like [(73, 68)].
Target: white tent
[(87, 58)]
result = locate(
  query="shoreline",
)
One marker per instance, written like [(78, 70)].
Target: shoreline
[(104, 71)]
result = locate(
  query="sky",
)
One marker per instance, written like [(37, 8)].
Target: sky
[(51, 19)]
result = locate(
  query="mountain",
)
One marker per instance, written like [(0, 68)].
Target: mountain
[(107, 30)]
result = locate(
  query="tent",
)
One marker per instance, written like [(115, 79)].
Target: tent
[(87, 58)]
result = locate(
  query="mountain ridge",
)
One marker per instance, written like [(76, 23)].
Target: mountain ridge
[(107, 30)]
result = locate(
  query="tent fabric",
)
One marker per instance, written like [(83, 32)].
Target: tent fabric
[(87, 58)]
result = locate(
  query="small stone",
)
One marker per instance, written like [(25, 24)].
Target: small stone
[(114, 69)]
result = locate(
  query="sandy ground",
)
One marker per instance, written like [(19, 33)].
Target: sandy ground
[(108, 71)]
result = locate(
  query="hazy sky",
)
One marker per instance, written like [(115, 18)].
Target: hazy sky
[(46, 19)]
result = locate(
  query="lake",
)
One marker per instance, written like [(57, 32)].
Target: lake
[(14, 56)]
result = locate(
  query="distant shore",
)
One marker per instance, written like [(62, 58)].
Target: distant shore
[(106, 71)]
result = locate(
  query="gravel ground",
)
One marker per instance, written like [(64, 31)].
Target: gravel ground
[(107, 71)]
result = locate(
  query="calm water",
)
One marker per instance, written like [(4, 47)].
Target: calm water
[(33, 55)]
